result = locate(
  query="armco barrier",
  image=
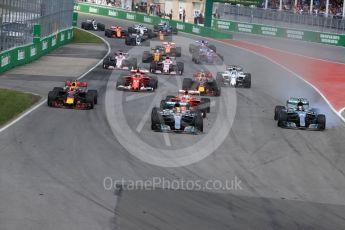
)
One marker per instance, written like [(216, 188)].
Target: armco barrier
[(143, 18), (304, 35), (30, 52)]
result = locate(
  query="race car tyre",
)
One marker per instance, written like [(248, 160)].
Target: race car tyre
[(120, 81), (277, 110), (131, 63), (180, 67), (58, 89), (191, 48), (52, 96), (95, 95), (248, 80), (282, 118), (153, 83), (89, 98), (153, 67), (219, 79), (84, 25), (198, 122), (212, 47), (155, 119), (163, 105), (169, 97), (206, 103), (129, 41), (196, 60), (216, 88), (107, 33), (100, 26), (321, 121), (131, 30), (187, 83), (147, 57), (150, 33), (178, 51), (174, 31)]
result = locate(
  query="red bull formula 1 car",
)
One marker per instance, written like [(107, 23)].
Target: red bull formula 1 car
[(137, 81), (202, 82), (74, 95)]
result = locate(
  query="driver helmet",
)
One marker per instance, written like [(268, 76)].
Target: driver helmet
[(300, 106), (185, 95)]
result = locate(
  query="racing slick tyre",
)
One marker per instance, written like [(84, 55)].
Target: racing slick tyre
[(178, 51), (277, 110), (212, 47), (130, 63), (180, 68), (120, 81), (248, 80), (174, 31), (90, 99), (129, 41), (321, 121), (198, 122), (95, 95), (163, 105), (155, 119), (187, 83), (196, 60), (52, 96), (153, 67), (219, 79), (131, 30), (100, 26), (147, 57), (206, 103), (153, 84), (84, 25), (58, 89), (150, 34), (282, 118), (215, 88), (191, 48), (169, 97), (108, 33)]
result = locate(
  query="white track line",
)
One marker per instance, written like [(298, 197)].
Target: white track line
[(27, 112)]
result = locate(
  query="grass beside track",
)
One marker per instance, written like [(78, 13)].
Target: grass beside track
[(81, 36), (12, 103)]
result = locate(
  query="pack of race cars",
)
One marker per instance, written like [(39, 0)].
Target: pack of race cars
[(183, 112)]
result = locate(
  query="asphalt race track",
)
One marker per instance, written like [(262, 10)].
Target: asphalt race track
[(53, 162)]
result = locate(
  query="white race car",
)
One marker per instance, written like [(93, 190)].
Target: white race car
[(235, 77), (119, 60)]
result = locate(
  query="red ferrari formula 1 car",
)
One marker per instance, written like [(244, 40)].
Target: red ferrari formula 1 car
[(116, 32), (137, 81), (188, 97), (203, 82), (74, 95)]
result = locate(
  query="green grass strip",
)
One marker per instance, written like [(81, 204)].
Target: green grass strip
[(81, 36), (12, 103)]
